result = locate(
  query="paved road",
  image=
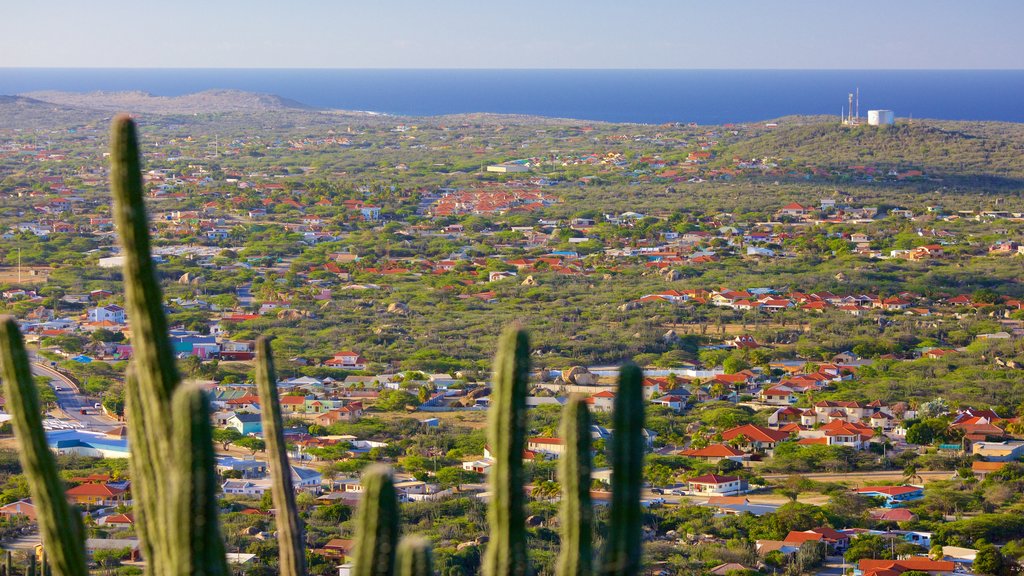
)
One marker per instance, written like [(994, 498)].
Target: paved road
[(927, 475), (71, 400), (833, 567)]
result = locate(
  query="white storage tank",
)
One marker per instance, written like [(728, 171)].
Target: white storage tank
[(881, 117)]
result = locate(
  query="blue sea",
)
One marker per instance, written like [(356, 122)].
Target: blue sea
[(644, 96)]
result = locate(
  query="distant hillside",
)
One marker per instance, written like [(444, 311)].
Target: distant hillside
[(19, 112), (940, 148), (210, 101)]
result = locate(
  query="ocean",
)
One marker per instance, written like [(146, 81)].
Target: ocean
[(643, 96)]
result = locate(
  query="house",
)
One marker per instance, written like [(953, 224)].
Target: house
[(20, 508), (306, 478), (795, 209), (109, 313), (892, 515), (350, 412), (717, 485), (673, 402), (871, 567), (778, 395), (347, 360), (246, 424), (894, 496), (852, 434), (550, 446), (245, 487), (716, 453), (756, 437), (96, 494), (603, 401), (86, 443), (999, 451)]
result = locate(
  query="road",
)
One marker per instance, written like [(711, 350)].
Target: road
[(71, 400), (833, 566), (864, 477)]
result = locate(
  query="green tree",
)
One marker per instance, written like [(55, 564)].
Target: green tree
[(251, 443)]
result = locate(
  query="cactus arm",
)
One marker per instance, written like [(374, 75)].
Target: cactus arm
[(376, 524), (625, 530), (292, 558), (143, 471), (506, 551), (59, 524), (198, 547), (143, 301), (414, 557), (576, 555)]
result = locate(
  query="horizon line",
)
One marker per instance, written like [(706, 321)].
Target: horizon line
[(511, 69)]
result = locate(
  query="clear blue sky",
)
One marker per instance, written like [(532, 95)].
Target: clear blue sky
[(524, 34)]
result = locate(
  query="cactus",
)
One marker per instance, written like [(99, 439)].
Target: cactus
[(577, 516), (172, 452), (59, 524), (32, 563), (199, 548), (506, 427), (414, 557), (8, 564), (625, 526), (377, 524), (289, 526)]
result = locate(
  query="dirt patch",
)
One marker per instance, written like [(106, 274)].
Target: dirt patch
[(29, 275)]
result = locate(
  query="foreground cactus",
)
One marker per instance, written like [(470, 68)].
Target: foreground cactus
[(576, 555), (414, 557), (292, 556), (625, 525), (377, 524), (59, 524), (506, 429), (172, 457)]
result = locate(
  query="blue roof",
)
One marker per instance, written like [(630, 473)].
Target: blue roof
[(75, 438)]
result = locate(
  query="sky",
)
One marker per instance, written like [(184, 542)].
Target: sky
[(684, 34)]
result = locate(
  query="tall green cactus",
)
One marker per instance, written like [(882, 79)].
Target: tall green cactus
[(625, 525), (60, 525), (32, 563), (377, 524), (577, 516), (414, 557), (199, 548), (292, 557), (506, 429), (175, 484)]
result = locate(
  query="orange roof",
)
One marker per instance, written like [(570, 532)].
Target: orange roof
[(802, 537), (755, 433), (713, 451), (95, 490)]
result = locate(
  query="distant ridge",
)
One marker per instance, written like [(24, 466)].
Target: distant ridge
[(209, 101)]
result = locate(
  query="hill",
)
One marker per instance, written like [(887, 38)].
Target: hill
[(210, 101), (943, 149)]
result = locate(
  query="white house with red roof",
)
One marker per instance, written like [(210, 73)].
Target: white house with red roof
[(347, 360), (603, 401), (717, 485), (895, 496)]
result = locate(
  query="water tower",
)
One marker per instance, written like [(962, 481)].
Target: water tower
[(881, 117)]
